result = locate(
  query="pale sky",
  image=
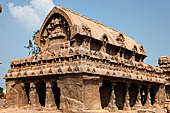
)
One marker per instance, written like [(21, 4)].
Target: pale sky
[(145, 21)]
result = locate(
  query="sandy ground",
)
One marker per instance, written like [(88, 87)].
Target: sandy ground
[(32, 111), (24, 111)]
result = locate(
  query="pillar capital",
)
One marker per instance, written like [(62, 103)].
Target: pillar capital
[(139, 86), (113, 83), (128, 85), (32, 85), (148, 87)]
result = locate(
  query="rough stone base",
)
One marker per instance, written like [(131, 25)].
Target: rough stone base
[(157, 110)]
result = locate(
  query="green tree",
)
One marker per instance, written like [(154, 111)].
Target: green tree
[(33, 49), (1, 90)]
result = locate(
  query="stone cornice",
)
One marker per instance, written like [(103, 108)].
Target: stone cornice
[(80, 60)]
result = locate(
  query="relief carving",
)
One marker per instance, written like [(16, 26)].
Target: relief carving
[(134, 50), (120, 39), (104, 42), (66, 65), (142, 49), (56, 29), (86, 30)]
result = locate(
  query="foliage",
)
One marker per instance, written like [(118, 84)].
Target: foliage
[(33, 49), (1, 90)]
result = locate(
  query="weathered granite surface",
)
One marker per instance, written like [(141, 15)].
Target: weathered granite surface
[(85, 67)]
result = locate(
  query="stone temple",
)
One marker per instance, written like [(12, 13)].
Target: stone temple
[(86, 67)]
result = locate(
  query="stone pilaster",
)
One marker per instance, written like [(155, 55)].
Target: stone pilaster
[(138, 99), (50, 100), (34, 99), (112, 103), (91, 96), (127, 98), (71, 93), (11, 99), (22, 99)]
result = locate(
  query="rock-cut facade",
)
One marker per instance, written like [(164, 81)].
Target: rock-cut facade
[(83, 67)]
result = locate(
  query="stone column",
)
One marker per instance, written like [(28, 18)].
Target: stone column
[(138, 99), (148, 99), (112, 103), (156, 103), (34, 99), (127, 98), (50, 99)]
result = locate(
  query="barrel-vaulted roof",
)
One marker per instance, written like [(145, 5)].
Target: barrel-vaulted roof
[(96, 29)]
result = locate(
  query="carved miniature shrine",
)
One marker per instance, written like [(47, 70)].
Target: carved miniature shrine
[(85, 67)]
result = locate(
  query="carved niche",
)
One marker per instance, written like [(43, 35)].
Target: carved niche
[(134, 49), (86, 30), (120, 40), (104, 43), (142, 49), (56, 31)]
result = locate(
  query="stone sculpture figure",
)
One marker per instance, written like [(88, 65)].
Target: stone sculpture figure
[(57, 29)]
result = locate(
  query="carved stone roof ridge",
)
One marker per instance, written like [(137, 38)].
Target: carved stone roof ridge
[(87, 18)]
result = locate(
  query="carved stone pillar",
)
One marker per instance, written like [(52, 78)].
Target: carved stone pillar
[(34, 99), (148, 99), (138, 99), (127, 98), (112, 103), (50, 100)]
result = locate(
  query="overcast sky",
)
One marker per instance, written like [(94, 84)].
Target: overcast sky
[(145, 21)]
